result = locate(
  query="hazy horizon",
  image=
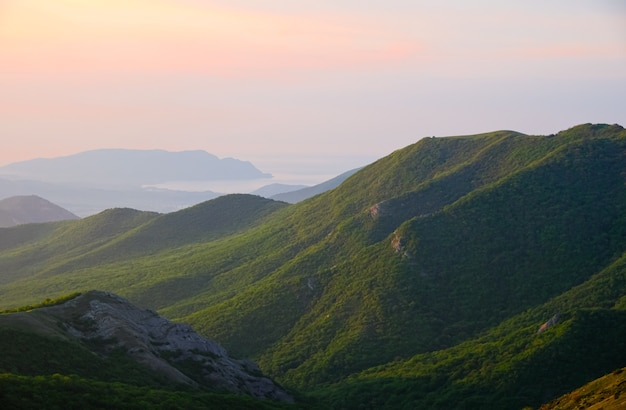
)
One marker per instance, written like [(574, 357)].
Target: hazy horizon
[(305, 171), (327, 86)]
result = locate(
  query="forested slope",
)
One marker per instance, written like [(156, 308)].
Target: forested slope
[(439, 262)]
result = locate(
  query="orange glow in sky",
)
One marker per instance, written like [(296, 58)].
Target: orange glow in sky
[(258, 79), (72, 36)]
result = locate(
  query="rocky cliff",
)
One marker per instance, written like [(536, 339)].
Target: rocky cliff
[(173, 350)]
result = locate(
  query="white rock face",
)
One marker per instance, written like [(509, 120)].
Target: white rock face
[(162, 345)]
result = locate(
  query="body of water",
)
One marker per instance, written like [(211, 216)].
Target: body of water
[(244, 186)]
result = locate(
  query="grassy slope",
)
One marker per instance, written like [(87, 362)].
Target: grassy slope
[(493, 254), (607, 393), (116, 249), (488, 226)]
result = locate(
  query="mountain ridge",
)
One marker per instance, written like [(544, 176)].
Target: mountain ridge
[(297, 195), (92, 181), (420, 257)]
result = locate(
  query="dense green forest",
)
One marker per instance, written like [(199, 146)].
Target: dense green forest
[(421, 281), (71, 392)]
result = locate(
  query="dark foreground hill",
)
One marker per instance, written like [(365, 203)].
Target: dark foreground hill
[(420, 282), (19, 210), (99, 338)]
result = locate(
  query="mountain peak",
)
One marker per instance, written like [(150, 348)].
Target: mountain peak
[(23, 209)]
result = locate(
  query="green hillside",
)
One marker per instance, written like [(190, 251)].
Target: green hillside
[(512, 365), (438, 262), (72, 392), (116, 249)]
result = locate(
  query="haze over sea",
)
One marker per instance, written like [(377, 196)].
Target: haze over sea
[(307, 171)]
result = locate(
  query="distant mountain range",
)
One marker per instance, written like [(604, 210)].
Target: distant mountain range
[(19, 210), (124, 167), (84, 200), (271, 190), (483, 272), (296, 195), (92, 181)]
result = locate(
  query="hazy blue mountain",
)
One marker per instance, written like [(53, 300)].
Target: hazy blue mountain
[(92, 181), (133, 167), (18, 210), (301, 194), (84, 200), (268, 191)]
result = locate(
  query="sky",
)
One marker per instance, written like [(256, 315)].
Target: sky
[(312, 86)]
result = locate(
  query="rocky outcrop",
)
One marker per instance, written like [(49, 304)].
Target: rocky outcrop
[(379, 209), (161, 345), (398, 243), (545, 326)]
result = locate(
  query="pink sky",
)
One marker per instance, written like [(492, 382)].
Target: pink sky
[(270, 81)]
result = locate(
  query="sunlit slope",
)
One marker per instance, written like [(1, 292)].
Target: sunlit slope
[(96, 246), (512, 365), (445, 276), (116, 249), (58, 244), (607, 393)]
